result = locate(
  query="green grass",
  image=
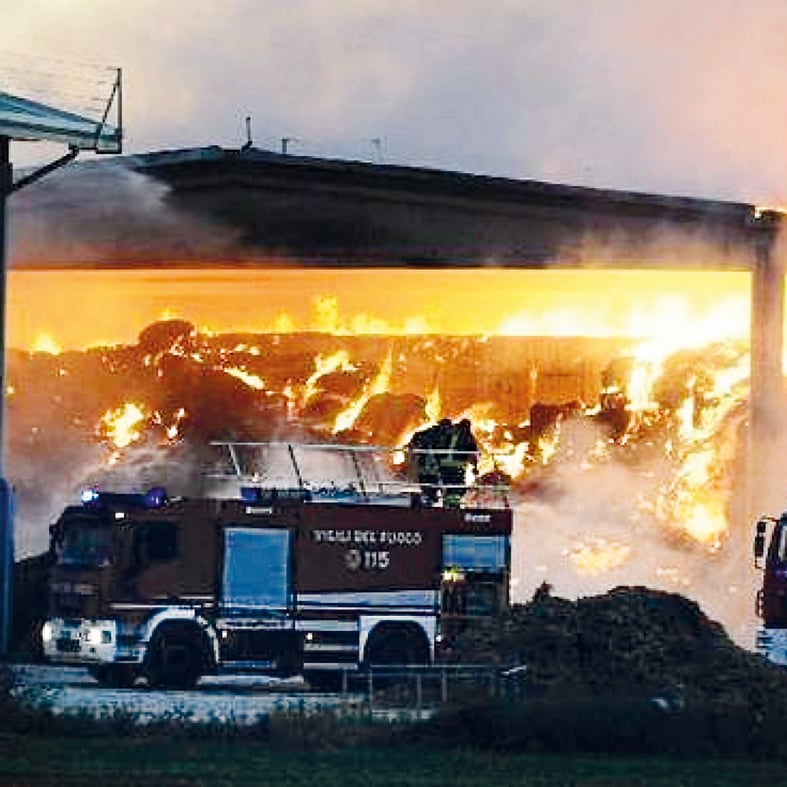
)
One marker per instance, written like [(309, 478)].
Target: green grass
[(71, 762)]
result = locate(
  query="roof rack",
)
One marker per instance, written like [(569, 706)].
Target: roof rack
[(350, 474)]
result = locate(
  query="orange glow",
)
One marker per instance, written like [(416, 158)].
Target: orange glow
[(44, 343), (114, 306), (659, 312)]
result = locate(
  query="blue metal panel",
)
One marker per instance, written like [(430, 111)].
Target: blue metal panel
[(479, 553), (22, 118), (256, 569)]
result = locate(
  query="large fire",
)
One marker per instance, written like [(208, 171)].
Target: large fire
[(614, 402)]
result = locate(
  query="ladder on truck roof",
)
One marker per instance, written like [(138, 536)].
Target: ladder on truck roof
[(371, 478)]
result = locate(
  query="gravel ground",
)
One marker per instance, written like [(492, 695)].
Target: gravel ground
[(238, 699)]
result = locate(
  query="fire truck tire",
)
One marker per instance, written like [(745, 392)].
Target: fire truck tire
[(175, 658), (114, 676), (397, 644)]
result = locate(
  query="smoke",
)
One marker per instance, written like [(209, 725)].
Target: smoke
[(108, 213), (595, 525), (40, 495)]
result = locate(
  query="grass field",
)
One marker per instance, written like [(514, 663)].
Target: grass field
[(30, 761)]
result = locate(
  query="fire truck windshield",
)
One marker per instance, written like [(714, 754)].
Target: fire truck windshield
[(86, 545), (779, 545)]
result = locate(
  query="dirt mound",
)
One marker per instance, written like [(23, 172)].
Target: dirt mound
[(631, 641)]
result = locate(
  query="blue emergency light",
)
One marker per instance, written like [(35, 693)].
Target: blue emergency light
[(155, 497), (89, 496)]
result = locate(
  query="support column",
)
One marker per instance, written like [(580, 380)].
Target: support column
[(6, 508), (767, 484)]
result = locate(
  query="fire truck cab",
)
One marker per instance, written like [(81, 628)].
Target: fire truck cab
[(770, 555), (275, 579)]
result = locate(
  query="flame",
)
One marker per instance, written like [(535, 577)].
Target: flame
[(510, 462), (172, 430), (246, 348), (44, 343), (547, 446), (696, 497), (432, 408), (252, 380), (121, 425), (328, 319), (340, 360), (378, 385)]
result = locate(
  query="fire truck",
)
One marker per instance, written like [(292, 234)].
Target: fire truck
[(770, 555), (279, 577)]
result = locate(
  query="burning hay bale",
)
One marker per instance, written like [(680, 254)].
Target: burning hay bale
[(629, 642)]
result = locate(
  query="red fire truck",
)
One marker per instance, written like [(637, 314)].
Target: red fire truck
[(278, 579), (770, 554)]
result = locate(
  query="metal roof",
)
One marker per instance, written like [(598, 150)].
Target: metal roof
[(23, 119)]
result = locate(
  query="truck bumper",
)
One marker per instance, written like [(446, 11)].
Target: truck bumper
[(89, 642), (772, 643)]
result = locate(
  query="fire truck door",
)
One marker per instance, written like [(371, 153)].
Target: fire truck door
[(256, 571)]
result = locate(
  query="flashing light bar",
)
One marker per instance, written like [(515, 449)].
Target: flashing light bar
[(155, 497)]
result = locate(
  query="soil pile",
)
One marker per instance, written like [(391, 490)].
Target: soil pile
[(631, 641)]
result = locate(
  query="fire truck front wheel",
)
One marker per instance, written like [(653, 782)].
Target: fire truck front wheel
[(175, 657)]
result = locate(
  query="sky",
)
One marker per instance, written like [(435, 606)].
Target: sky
[(662, 96)]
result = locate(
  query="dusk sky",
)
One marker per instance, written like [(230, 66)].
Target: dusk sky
[(665, 96)]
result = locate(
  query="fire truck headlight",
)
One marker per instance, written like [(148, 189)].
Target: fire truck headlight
[(97, 636), (46, 632)]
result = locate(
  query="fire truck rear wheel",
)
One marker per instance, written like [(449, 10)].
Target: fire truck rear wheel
[(400, 645), (395, 645), (175, 658)]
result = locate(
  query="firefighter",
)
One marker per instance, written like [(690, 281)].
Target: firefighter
[(423, 462), (460, 451)]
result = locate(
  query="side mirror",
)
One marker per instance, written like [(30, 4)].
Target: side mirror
[(759, 542)]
